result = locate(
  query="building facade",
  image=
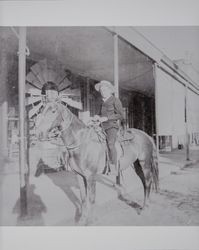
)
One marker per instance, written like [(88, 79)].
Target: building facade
[(157, 96)]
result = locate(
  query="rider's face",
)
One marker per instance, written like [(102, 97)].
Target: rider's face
[(51, 95), (105, 91)]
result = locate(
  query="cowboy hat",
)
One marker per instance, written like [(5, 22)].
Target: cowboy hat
[(104, 83)]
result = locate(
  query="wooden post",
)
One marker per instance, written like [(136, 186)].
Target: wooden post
[(186, 122), (156, 109), (4, 64), (152, 115), (116, 66), (116, 81), (87, 94), (143, 113), (22, 141), (5, 129)]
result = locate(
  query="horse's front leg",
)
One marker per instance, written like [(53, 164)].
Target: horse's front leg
[(88, 198), (92, 188), (83, 187), (85, 204), (84, 197)]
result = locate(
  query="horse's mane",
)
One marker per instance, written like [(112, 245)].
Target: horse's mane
[(66, 111)]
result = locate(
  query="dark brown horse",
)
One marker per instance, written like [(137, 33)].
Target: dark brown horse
[(87, 153)]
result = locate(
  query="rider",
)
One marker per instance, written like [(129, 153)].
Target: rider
[(51, 92), (50, 89), (111, 113)]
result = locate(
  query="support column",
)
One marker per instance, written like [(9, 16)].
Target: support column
[(152, 115), (116, 66), (88, 94), (116, 80), (22, 141), (4, 64), (4, 128), (156, 109), (186, 122), (143, 113)]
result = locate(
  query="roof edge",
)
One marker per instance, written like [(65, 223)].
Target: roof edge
[(136, 39)]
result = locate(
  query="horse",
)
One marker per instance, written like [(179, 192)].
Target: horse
[(87, 154)]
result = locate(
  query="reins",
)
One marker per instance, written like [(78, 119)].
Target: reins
[(70, 122), (70, 147), (65, 128)]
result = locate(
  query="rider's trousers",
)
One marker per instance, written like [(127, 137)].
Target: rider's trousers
[(111, 139)]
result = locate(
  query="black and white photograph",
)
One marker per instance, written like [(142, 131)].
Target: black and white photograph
[(99, 126)]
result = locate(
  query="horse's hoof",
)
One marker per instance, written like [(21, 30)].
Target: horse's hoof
[(139, 210), (119, 196), (77, 215), (145, 206), (83, 221)]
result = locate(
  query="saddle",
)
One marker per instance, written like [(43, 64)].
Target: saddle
[(124, 137), (101, 134)]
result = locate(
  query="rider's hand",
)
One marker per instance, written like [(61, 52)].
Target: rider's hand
[(54, 133), (96, 118), (103, 119)]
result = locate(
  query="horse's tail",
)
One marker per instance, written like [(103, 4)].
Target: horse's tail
[(154, 167), (154, 159)]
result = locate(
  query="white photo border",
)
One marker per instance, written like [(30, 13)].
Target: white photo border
[(99, 13)]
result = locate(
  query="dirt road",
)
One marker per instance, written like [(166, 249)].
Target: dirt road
[(53, 200), (177, 204)]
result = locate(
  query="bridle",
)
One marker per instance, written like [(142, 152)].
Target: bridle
[(65, 128)]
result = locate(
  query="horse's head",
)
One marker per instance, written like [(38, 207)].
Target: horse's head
[(50, 118)]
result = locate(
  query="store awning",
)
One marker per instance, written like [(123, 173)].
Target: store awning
[(89, 51)]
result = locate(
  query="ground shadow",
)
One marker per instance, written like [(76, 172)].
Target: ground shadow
[(35, 209), (122, 193), (66, 180)]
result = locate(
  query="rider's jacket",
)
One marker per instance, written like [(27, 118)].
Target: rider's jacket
[(112, 108)]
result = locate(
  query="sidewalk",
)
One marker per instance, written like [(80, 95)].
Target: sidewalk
[(178, 157), (53, 199)]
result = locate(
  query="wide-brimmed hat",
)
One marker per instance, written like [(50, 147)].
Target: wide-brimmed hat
[(105, 83)]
